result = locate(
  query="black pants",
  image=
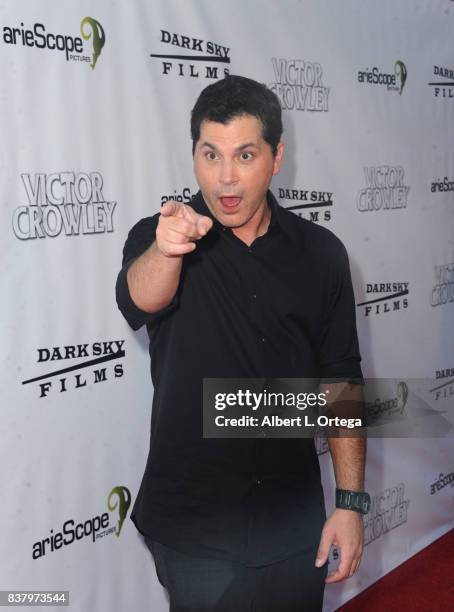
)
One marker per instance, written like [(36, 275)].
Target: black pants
[(212, 585)]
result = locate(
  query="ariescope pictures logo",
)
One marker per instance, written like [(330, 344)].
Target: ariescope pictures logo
[(69, 203), (95, 527), (193, 58), (299, 85), (385, 189), (393, 81), (443, 289), (392, 297), (72, 46), (305, 200), (443, 86), (185, 196), (442, 185), (89, 369), (441, 482), (384, 408)]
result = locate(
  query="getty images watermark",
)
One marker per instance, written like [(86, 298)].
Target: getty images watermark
[(304, 408), (277, 400)]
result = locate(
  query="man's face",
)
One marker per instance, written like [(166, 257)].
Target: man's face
[(234, 166)]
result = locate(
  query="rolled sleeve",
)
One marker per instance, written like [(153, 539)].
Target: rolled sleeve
[(339, 349), (139, 239)]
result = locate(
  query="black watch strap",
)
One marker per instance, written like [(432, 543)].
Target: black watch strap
[(359, 501)]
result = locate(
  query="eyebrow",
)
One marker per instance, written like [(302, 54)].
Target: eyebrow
[(246, 145)]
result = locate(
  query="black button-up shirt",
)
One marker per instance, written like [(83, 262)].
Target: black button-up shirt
[(281, 307)]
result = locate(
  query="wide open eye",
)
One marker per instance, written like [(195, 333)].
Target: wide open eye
[(211, 156), (246, 156)]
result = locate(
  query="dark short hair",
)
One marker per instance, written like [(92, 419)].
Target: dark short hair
[(235, 96)]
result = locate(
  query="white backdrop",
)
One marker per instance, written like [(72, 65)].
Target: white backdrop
[(87, 151)]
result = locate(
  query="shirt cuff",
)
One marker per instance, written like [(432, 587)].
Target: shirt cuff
[(135, 316)]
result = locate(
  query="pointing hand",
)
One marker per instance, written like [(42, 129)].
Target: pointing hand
[(179, 227)]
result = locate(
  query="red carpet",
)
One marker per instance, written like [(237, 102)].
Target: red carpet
[(424, 583)]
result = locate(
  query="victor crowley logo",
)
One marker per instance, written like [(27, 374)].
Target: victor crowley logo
[(388, 510), (443, 290), (299, 85), (385, 189), (68, 202), (392, 81), (444, 85), (96, 527), (197, 58), (305, 199), (393, 299), (185, 196), (92, 355), (72, 46)]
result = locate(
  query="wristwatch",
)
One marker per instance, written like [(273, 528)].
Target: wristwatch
[(359, 501)]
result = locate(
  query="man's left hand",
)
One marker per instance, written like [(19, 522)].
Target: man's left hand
[(345, 529)]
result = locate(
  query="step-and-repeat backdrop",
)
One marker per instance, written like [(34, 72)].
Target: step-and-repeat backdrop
[(94, 121)]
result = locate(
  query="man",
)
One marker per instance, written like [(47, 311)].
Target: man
[(235, 286)]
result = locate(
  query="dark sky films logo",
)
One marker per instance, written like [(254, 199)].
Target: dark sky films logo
[(444, 85), (442, 185), (304, 200), (95, 528), (393, 299), (299, 85), (196, 58), (88, 371), (388, 510), (185, 196), (63, 202), (444, 390), (394, 81), (443, 290), (72, 46), (441, 482), (385, 189)]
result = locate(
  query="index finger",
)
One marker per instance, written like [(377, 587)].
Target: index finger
[(169, 208), (201, 221)]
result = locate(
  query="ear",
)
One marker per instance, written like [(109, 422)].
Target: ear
[(278, 158)]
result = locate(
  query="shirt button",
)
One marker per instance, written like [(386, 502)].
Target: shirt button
[(254, 296), (263, 340), (249, 250), (259, 482)]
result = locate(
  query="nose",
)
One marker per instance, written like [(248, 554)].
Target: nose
[(228, 174)]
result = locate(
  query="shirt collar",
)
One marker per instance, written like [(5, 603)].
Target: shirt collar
[(199, 205)]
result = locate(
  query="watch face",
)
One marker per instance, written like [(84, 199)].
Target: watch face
[(366, 503), (353, 500)]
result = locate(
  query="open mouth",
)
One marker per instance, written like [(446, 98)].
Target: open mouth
[(230, 202)]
